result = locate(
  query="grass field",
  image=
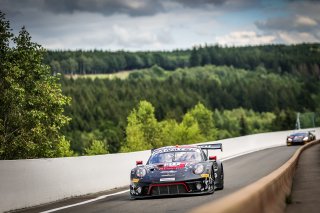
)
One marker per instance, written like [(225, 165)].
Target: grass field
[(120, 75)]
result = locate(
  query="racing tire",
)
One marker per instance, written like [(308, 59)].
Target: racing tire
[(221, 185)]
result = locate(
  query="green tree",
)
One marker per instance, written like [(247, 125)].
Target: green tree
[(135, 140), (188, 131), (205, 56), (96, 148), (195, 58), (146, 117), (143, 129), (244, 129), (204, 118), (55, 66), (31, 100), (64, 149), (168, 134)]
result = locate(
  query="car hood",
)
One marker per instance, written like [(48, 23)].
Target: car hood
[(178, 171)]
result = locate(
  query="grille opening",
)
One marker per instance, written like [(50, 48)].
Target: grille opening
[(164, 189)]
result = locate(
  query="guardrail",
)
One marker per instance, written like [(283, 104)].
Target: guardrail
[(26, 183), (268, 194)]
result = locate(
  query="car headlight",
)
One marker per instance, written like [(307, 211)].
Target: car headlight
[(289, 139), (305, 139), (141, 172), (198, 169)]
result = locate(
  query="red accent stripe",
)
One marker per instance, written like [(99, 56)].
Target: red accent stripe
[(168, 184)]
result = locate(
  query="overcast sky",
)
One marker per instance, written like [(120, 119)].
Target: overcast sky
[(163, 24)]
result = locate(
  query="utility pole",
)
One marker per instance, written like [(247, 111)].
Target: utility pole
[(313, 119), (298, 121)]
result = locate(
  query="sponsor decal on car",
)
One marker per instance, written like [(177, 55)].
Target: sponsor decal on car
[(172, 166), (167, 179), (173, 149), (135, 180)]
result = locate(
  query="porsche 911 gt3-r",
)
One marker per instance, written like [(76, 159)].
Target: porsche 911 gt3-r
[(300, 138), (178, 170)]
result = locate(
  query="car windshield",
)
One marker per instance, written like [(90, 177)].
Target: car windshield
[(299, 134), (168, 157)]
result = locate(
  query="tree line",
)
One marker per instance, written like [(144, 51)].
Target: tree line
[(241, 102), (199, 124), (302, 59)]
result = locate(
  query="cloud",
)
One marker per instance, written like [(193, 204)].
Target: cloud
[(308, 8), (95, 31), (162, 24), (219, 4), (300, 29), (87, 30), (300, 23), (128, 7), (297, 23), (241, 38), (105, 7), (125, 37), (295, 38), (305, 21), (200, 3)]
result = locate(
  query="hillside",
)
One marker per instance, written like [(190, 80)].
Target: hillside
[(242, 101), (302, 59)]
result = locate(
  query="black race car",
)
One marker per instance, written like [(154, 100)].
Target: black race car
[(300, 138), (178, 170)]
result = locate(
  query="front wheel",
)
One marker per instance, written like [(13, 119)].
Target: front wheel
[(220, 186)]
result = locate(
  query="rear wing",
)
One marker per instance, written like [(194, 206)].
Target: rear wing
[(208, 147), (211, 146)]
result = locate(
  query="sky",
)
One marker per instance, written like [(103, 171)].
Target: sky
[(140, 25)]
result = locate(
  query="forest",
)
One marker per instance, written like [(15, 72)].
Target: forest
[(238, 101), (297, 59)]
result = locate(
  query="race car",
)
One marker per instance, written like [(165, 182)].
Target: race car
[(300, 138), (178, 170)]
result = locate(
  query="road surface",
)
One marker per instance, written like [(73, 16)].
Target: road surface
[(239, 172)]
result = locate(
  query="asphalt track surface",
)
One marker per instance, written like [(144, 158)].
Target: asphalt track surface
[(239, 172)]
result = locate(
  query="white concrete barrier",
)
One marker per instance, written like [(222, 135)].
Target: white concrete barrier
[(25, 183)]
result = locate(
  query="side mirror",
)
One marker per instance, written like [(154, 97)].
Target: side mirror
[(212, 157), (139, 162)]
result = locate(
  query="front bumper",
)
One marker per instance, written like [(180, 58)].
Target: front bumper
[(292, 143), (198, 186)]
